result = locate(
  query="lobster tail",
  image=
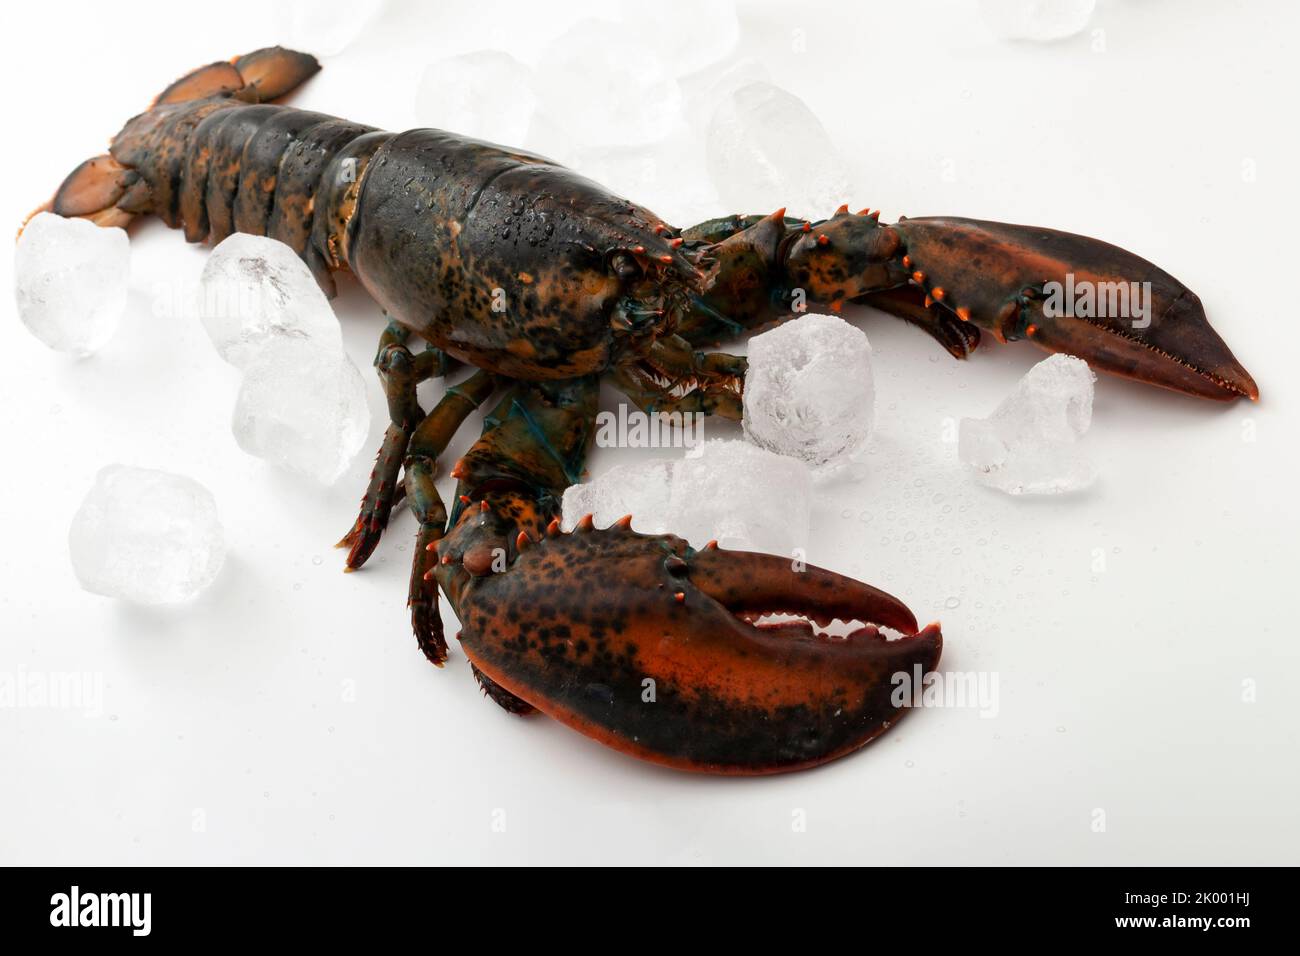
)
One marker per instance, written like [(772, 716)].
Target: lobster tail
[(258, 77), (142, 171)]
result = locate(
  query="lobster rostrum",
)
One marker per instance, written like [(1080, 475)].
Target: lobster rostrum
[(545, 283)]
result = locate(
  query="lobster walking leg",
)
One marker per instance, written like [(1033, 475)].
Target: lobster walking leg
[(400, 372), (427, 442)]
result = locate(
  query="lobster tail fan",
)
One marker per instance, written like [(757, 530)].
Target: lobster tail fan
[(273, 72), (258, 77), (109, 190), (94, 190), (211, 80)]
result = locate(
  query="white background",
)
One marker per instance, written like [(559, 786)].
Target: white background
[(1121, 688)]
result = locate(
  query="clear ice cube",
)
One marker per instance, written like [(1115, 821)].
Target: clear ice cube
[(604, 88), (1028, 445), (146, 536), (740, 495), (302, 407), (712, 35), (486, 94), (641, 489), (255, 291), (743, 496), (667, 177), (765, 149), (1041, 20), (70, 281), (809, 392), (703, 91), (322, 27)]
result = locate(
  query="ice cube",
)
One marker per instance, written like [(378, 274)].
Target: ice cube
[(765, 149), (146, 536), (70, 281), (1037, 19), (323, 27), (712, 34), (302, 407), (640, 489), (743, 496), (809, 392), (668, 177), (604, 88), (1027, 446), (703, 91), (255, 291), (486, 94)]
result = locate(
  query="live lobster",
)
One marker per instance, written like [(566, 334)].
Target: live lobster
[(545, 283)]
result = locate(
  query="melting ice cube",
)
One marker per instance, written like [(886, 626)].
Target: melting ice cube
[(146, 536), (486, 94), (743, 496), (323, 27), (730, 491), (639, 489), (766, 148), (1037, 19), (1027, 446), (70, 281), (809, 392), (302, 407), (626, 95), (256, 290)]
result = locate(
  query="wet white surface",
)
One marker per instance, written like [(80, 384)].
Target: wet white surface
[(286, 715)]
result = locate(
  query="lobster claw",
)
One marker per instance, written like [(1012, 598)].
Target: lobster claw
[(657, 650), (1069, 293)]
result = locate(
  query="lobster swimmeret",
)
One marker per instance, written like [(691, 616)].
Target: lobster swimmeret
[(443, 230)]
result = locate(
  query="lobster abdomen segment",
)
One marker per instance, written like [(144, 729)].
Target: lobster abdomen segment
[(219, 166), (212, 156)]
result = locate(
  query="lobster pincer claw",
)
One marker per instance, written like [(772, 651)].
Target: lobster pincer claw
[(658, 650), (1069, 293)]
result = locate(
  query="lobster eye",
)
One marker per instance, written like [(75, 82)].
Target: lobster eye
[(624, 266)]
